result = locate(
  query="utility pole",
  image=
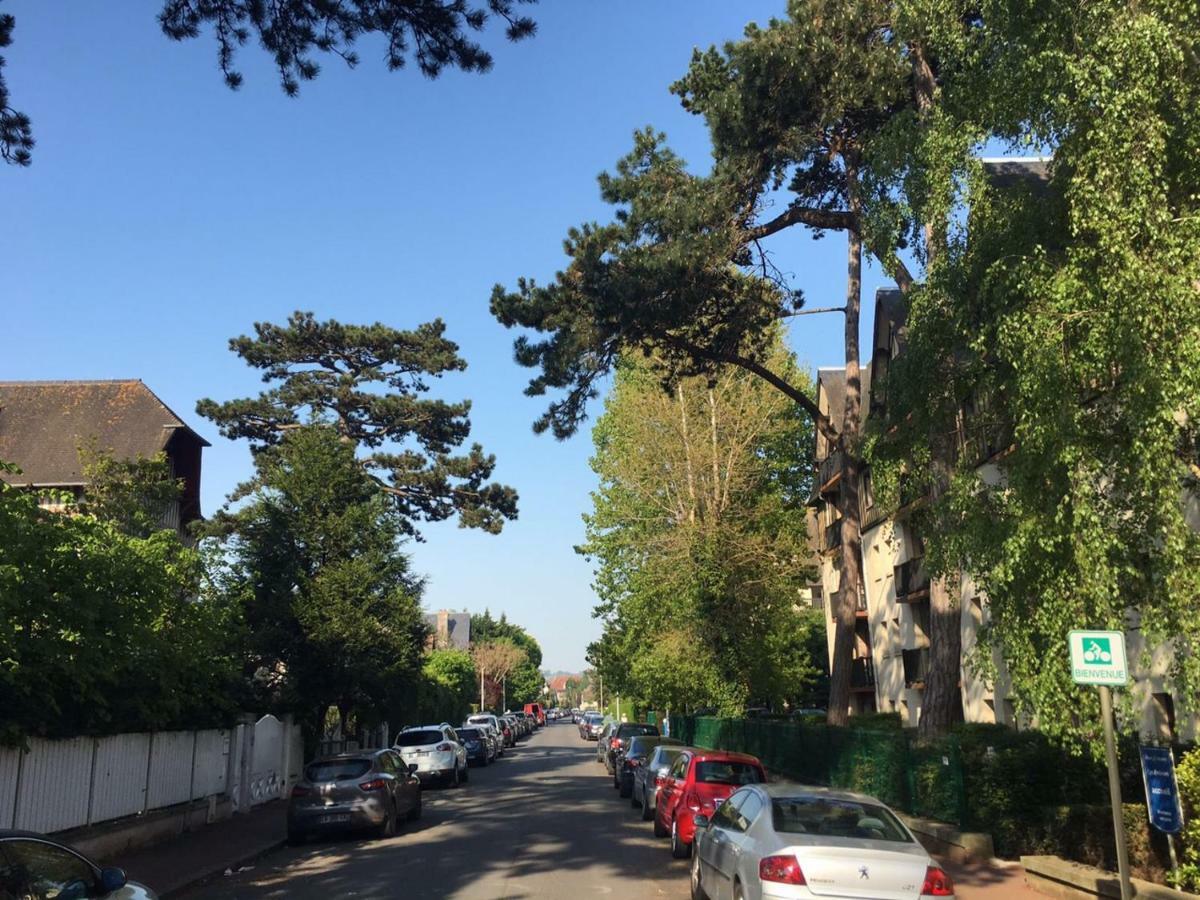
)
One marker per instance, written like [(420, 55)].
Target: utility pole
[(481, 707), (601, 693), (504, 692)]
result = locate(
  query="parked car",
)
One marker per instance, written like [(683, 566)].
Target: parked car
[(648, 778), (607, 727), (633, 756), (509, 726), (520, 725), (33, 865), (535, 710), (576, 715), (772, 840), (589, 727), (618, 741), (530, 720), (492, 724), (700, 781), (371, 789), (475, 742), (437, 752)]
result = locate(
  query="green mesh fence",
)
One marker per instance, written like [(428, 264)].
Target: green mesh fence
[(923, 780)]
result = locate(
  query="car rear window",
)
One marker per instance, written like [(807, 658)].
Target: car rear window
[(470, 734), (337, 770), (837, 818), (722, 772), (632, 730), (418, 738)]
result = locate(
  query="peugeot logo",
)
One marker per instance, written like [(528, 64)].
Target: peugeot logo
[(863, 873)]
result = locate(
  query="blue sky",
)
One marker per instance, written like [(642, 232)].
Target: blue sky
[(164, 214)]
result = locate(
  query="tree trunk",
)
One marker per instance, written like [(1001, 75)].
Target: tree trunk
[(850, 585), (941, 706)]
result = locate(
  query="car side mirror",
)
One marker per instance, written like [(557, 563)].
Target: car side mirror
[(412, 768), (700, 821), (112, 879)]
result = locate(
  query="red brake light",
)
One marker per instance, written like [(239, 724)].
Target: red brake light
[(691, 801), (937, 883), (375, 784), (444, 747), (780, 869), (300, 791), (659, 780)]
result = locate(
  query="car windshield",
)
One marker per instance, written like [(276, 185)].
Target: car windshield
[(418, 738), (633, 730), (837, 818), (480, 720), (725, 772), (337, 769), (470, 734), (668, 757), (642, 744)]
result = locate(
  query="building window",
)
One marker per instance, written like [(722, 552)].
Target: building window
[(1164, 715), (868, 490)]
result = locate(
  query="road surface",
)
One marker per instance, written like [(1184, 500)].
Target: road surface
[(543, 822)]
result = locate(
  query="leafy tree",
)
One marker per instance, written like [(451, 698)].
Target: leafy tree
[(495, 661), (323, 372), (134, 494), (454, 671), (436, 33), (102, 631), (698, 535), (330, 603), (1062, 318), (525, 681), (682, 273)]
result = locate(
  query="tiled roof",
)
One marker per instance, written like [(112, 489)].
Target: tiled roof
[(42, 424)]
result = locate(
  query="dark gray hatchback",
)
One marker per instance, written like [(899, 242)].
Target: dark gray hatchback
[(371, 789)]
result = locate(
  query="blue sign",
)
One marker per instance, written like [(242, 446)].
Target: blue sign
[(1162, 793)]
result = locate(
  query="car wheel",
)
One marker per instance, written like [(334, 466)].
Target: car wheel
[(415, 812), (679, 849), (738, 893), (660, 830), (388, 828), (626, 790), (466, 774), (486, 761), (453, 779), (697, 888), (647, 809), (616, 782)]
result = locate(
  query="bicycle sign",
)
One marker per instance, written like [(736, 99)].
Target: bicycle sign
[(1098, 657)]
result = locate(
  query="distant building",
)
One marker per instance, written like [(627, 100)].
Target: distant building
[(557, 685), (43, 424), (448, 630)]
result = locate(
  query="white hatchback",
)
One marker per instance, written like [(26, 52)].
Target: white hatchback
[(436, 751)]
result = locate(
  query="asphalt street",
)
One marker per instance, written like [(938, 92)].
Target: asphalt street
[(544, 821)]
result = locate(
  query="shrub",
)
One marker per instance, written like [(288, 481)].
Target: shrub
[(1188, 774)]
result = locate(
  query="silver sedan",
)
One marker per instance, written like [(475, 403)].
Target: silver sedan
[(790, 841)]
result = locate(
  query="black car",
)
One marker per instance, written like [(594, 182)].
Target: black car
[(635, 754), (618, 741), (33, 865)]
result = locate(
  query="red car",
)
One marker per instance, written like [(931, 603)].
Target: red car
[(699, 782)]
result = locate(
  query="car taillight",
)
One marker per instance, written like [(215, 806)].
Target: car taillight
[(300, 791), (375, 784), (691, 801), (937, 883), (632, 761), (659, 780), (780, 869), (616, 743), (444, 747)]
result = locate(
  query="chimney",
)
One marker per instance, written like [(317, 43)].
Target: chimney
[(443, 628)]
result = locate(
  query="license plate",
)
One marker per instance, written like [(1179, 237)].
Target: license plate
[(338, 819)]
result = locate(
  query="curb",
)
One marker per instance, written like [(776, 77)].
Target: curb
[(188, 882)]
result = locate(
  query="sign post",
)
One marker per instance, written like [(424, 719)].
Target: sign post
[(1098, 657)]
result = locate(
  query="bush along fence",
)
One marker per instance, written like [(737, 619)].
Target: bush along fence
[(1031, 795), (56, 785)]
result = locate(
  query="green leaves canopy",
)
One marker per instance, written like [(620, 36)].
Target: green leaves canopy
[(323, 372)]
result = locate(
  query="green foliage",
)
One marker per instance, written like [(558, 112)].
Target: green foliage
[(1062, 320), (1188, 776), (329, 600), (449, 685), (133, 494), (697, 532), (103, 632), (16, 131), (324, 373), (524, 683)]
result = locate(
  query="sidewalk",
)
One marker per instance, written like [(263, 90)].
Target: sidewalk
[(178, 864), (988, 881)]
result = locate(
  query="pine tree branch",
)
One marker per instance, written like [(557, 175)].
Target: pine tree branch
[(836, 219)]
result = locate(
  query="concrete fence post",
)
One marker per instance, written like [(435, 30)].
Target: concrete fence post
[(92, 780), (285, 753)]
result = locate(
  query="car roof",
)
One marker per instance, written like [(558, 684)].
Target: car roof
[(777, 789), (722, 755), (425, 727), (350, 754)]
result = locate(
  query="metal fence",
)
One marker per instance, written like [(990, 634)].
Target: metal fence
[(889, 764)]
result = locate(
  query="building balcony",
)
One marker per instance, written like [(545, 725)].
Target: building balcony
[(829, 473), (912, 581), (862, 675), (916, 667)]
